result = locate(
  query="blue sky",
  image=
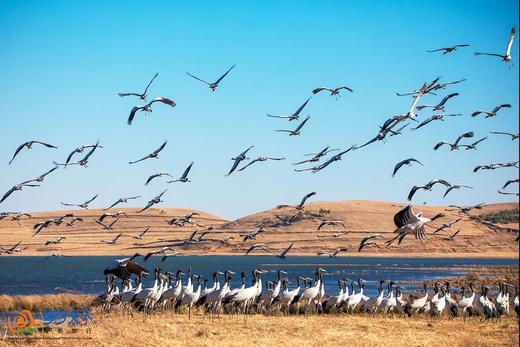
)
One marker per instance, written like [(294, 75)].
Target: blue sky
[(63, 63)]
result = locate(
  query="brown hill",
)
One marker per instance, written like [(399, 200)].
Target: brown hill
[(362, 218)]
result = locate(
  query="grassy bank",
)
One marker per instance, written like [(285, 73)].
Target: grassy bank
[(164, 329), (38, 303)]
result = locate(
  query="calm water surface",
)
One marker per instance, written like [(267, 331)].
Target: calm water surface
[(37, 275)]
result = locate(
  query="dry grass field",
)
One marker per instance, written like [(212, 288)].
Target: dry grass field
[(330, 330), (475, 239)]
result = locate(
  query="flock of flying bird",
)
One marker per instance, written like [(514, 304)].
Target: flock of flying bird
[(168, 290)]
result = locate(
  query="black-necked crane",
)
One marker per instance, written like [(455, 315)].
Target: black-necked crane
[(295, 115), (161, 250), (79, 149), (446, 225), (407, 162), (301, 204), (369, 241), (18, 187), (491, 113), (309, 294), (407, 222), (142, 95), (112, 215), (83, 161), (333, 91), (428, 187), (455, 145), (253, 234), (212, 85), (514, 136), (29, 145), (446, 50), (141, 234), (455, 186), (297, 130), (43, 175), (108, 226), (414, 306), (154, 201), (155, 175), (148, 107), (474, 144), (122, 201), (114, 240), (56, 241), (436, 117), (516, 180), (332, 223), (466, 302), (238, 159), (335, 253), (507, 56), (184, 177), (373, 304), (317, 156), (11, 250), (259, 159), (83, 205), (287, 295), (154, 154), (440, 106)]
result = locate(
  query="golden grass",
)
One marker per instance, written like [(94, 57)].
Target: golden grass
[(38, 303), (165, 329)]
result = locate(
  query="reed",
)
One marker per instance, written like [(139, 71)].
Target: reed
[(38, 303)]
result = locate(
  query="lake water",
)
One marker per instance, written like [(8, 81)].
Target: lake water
[(34, 275)]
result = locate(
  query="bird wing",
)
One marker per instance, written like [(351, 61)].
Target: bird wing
[(9, 192), (17, 151), (137, 161), (510, 42), (249, 164), (476, 113), (45, 144), (404, 217), (446, 98), (440, 144), (102, 224), (346, 88), (448, 190), (90, 152), (150, 204), (132, 114), (283, 117), (302, 124), (284, 253), (235, 164), (51, 170), (128, 94), (319, 89), (423, 123), (224, 75), (93, 198), (160, 148), (413, 191), (197, 78), (491, 54), (135, 268), (301, 108), (322, 224), (185, 174), (440, 181), (164, 101), (148, 86), (306, 197), (70, 156), (438, 50), (496, 109)]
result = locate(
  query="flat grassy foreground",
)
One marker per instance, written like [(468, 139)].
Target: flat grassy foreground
[(165, 329)]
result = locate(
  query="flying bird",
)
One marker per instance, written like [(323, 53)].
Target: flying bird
[(331, 223), (333, 91), (301, 204), (369, 241), (407, 222), (287, 220), (84, 161), (79, 149), (42, 176), (492, 113), (295, 115), (262, 246), (238, 159), (513, 136), (283, 254), (112, 215), (407, 162), (107, 226), (184, 177), (428, 186), (296, 131), (148, 107), (259, 159), (436, 117), (510, 182), (29, 145), (122, 201), (466, 209), (440, 105), (454, 145), (450, 238), (446, 226), (155, 175), (252, 235), (317, 156), (507, 56), (141, 96), (474, 144), (141, 234), (82, 205), (447, 50), (334, 253), (455, 186), (507, 193), (11, 250), (162, 250), (334, 158), (17, 188), (213, 85), (154, 201), (113, 241), (55, 242), (154, 154)]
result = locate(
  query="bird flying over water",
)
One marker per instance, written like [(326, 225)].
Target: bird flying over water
[(113, 241), (450, 49), (238, 159), (82, 205), (162, 250), (29, 145), (262, 246), (284, 253), (408, 162), (295, 115), (334, 253), (507, 56), (141, 96), (213, 85), (252, 235), (154, 154), (296, 131), (369, 241), (148, 107)]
